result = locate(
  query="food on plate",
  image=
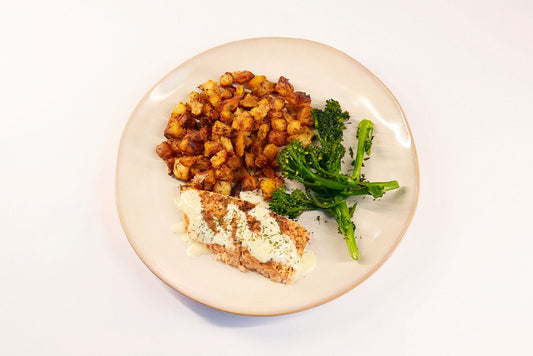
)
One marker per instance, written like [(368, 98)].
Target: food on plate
[(318, 168), (226, 137), (244, 235)]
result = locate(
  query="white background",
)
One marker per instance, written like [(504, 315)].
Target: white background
[(460, 281)]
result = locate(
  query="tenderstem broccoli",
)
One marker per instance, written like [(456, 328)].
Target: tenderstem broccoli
[(318, 167)]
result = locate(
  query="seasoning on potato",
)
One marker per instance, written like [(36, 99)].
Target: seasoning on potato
[(226, 137)]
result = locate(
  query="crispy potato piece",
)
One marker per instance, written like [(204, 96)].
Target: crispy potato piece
[(277, 104), (164, 150), (260, 111), (170, 165), (189, 147), (242, 77), (210, 88), (249, 159), (211, 148), (294, 127), (219, 159), (239, 92), (240, 144), (269, 185), (249, 183), (220, 128), (194, 104), (224, 173), (262, 132), (270, 151), (179, 109), (180, 171), (261, 161), (242, 121), (265, 88), (227, 145), (234, 163), (278, 138), (279, 124), (249, 101), (240, 173), (226, 80), (188, 161), (174, 129), (227, 93), (305, 136), (283, 87), (256, 81), (222, 187), (305, 117)]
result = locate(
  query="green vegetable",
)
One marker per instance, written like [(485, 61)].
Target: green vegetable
[(318, 168)]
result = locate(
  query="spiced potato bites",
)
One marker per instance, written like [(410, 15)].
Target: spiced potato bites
[(226, 137)]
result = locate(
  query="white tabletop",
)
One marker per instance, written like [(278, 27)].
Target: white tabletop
[(460, 281)]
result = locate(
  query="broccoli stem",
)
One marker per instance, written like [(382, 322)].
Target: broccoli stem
[(343, 216), (364, 142)]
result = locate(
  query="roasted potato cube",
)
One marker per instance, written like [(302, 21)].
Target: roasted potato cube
[(170, 164), (270, 151), (220, 128), (283, 87), (210, 180), (190, 147), (179, 109), (222, 187), (210, 88), (278, 124), (249, 183), (188, 161), (226, 80), (180, 171), (219, 159), (278, 138), (174, 129), (198, 180), (264, 89), (249, 159), (298, 98), (230, 104), (261, 161), (211, 148), (269, 185), (226, 117), (243, 121), (305, 136), (193, 102), (294, 127), (277, 104), (242, 77), (224, 173), (201, 164), (262, 132), (227, 145), (268, 172), (260, 111), (239, 143), (164, 150), (239, 92), (227, 93), (305, 117), (256, 81), (249, 101), (234, 163)]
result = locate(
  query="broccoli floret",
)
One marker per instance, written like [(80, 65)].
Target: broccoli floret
[(318, 168)]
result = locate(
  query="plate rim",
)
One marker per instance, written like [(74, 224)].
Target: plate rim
[(369, 273)]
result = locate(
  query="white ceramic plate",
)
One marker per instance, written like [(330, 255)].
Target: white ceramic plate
[(145, 193)]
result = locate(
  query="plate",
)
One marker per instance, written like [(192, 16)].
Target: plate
[(145, 194)]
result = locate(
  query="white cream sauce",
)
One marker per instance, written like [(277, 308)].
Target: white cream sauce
[(269, 244)]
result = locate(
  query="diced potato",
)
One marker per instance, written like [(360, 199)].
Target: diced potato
[(243, 121), (226, 117), (234, 163), (278, 138), (249, 101), (190, 147), (279, 124), (261, 161), (269, 185), (249, 183), (283, 87), (227, 93), (164, 150), (226, 80), (239, 144), (256, 81), (277, 104), (239, 92), (193, 102), (174, 129), (249, 159), (305, 136), (202, 163), (179, 109), (180, 171), (222, 187), (262, 132), (294, 127), (219, 159), (242, 77), (220, 128), (198, 180), (264, 89), (211, 147), (305, 117), (188, 161), (268, 172), (210, 88), (227, 145), (240, 173), (270, 151), (260, 111), (224, 173)]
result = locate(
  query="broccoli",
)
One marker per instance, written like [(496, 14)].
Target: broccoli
[(318, 168)]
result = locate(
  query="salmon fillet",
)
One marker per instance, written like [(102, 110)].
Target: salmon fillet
[(244, 235)]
